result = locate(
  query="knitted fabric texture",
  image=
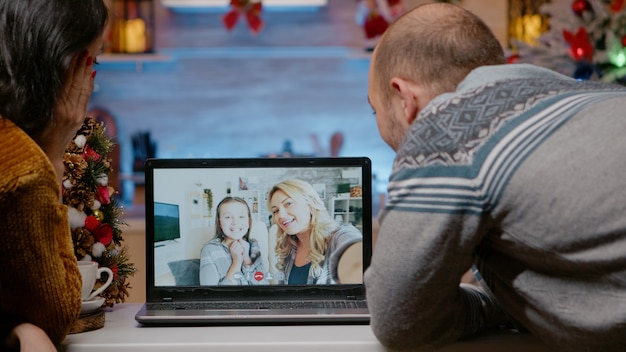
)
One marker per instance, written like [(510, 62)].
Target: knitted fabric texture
[(39, 281)]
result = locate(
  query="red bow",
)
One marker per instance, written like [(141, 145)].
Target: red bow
[(252, 11)]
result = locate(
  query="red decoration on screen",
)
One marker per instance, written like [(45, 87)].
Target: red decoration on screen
[(259, 276)]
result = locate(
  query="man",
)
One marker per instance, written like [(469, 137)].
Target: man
[(512, 168)]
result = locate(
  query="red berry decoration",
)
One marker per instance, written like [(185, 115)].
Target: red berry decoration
[(617, 5), (580, 6), (512, 59)]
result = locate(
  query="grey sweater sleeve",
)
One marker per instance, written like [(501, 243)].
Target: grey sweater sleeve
[(413, 281)]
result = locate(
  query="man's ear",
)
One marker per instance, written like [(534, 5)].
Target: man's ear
[(409, 95)]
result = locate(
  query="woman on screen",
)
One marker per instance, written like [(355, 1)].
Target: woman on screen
[(310, 246), (231, 258)]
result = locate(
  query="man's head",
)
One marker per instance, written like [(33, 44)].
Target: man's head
[(426, 52)]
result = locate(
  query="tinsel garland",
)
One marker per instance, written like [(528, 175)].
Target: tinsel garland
[(94, 211)]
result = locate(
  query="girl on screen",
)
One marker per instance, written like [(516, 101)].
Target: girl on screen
[(231, 258), (311, 247)]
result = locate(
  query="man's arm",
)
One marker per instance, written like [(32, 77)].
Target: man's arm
[(413, 281), (350, 267), (44, 282)]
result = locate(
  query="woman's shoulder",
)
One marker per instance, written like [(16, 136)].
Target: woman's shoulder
[(347, 233), (212, 248), (212, 243), (348, 229), (215, 241), (342, 238)]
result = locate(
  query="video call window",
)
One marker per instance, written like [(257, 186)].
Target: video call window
[(256, 225)]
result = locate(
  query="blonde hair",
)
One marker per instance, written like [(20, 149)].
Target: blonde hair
[(321, 225)]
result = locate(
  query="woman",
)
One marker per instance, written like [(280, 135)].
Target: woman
[(47, 53), (231, 258), (311, 247)]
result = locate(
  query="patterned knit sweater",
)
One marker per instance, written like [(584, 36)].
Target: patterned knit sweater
[(521, 172), (39, 279)]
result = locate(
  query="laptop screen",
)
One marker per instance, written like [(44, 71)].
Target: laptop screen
[(257, 222)]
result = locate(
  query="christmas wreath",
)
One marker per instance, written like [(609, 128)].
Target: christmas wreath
[(94, 212)]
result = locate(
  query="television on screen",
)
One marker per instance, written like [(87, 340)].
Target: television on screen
[(166, 222)]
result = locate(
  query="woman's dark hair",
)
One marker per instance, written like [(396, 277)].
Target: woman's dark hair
[(38, 39)]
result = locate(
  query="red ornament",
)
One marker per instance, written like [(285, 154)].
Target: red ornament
[(252, 11), (375, 25), (115, 269), (396, 8), (90, 154), (104, 234), (580, 6), (512, 59), (624, 41), (91, 223), (579, 45), (617, 6), (376, 15)]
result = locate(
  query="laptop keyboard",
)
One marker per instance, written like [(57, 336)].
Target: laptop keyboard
[(259, 305)]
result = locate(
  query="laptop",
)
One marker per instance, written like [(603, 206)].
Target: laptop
[(188, 276)]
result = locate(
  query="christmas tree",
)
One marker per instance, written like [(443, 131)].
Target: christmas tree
[(94, 212), (586, 40)]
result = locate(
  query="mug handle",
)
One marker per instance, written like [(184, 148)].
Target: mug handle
[(106, 284)]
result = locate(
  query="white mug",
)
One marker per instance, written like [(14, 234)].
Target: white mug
[(90, 272)]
